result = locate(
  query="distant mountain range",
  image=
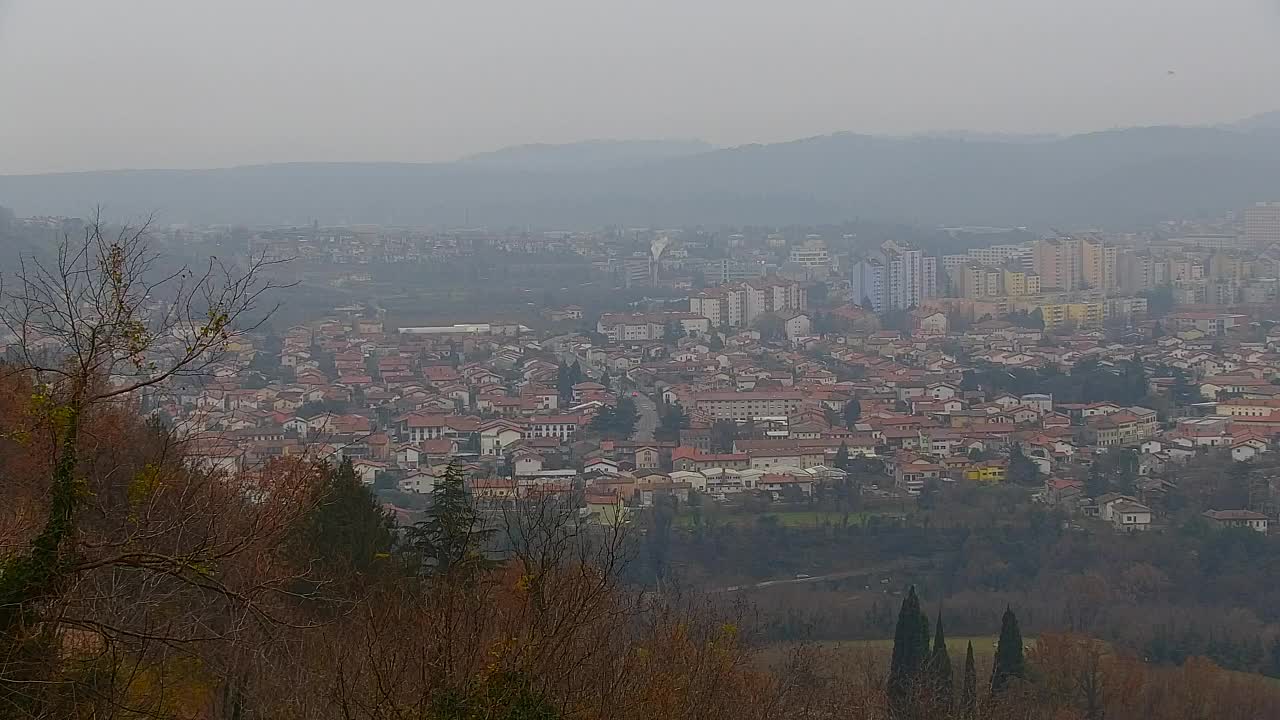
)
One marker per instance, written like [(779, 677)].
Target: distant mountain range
[(1115, 179), (586, 155)]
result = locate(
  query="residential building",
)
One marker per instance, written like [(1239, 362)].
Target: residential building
[(812, 254), (1130, 516), (1083, 315), (743, 406), (1262, 225), (868, 281), (1206, 322), (1221, 519)]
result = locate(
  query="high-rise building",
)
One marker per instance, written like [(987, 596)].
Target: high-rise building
[(894, 278), (998, 255), (1067, 263), (928, 277), (1017, 283), (912, 278), (1262, 225), (740, 304), (637, 270), (1135, 271), (1053, 263), (867, 284), (1098, 265)]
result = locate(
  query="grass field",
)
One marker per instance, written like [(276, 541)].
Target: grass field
[(786, 518), (984, 650)]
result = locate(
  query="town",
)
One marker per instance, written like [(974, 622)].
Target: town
[(1085, 369)]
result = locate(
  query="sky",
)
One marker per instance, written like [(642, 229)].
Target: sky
[(86, 84)]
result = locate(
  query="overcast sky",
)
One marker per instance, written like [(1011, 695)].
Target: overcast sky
[(88, 84)]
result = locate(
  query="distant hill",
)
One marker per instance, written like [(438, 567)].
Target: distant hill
[(587, 155), (1265, 122), (1119, 178)]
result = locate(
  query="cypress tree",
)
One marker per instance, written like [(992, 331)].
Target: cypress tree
[(969, 691), (940, 667), (908, 650), (842, 456), (1009, 662), (924, 639)]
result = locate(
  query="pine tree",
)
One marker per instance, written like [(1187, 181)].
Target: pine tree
[(909, 650), (1009, 663), (347, 530), (451, 539), (969, 691), (940, 667)]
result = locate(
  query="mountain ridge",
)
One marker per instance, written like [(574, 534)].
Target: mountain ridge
[(1122, 178)]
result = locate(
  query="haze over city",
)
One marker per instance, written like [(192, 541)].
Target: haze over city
[(591, 360), (159, 84)]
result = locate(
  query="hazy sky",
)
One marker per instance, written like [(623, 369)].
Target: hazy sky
[(178, 83)]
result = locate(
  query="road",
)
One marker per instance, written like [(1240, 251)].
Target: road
[(790, 581), (887, 570), (647, 422)]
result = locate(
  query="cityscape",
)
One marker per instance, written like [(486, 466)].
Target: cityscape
[(589, 361)]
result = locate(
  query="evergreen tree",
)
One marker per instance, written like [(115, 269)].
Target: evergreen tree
[(451, 539), (626, 416), (346, 530), (564, 386), (909, 651), (842, 456), (923, 625), (969, 691), (940, 667), (1009, 662), (1184, 392), (1022, 471), (1273, 658), (852, 413), (1136, 379), (723, 435)]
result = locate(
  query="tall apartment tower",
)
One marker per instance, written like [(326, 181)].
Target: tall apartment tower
[(867, 282), (1262, 225)]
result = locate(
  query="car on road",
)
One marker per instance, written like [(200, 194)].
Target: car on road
[(803, 576)]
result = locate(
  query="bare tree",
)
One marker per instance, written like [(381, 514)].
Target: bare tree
[(131, 554)]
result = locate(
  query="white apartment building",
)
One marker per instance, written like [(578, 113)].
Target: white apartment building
[(811, 254)]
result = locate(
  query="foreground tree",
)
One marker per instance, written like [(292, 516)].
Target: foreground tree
[(940, 681), (347, 531), (123, 546), (969, 688), (910, 650), (1010, 665)]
